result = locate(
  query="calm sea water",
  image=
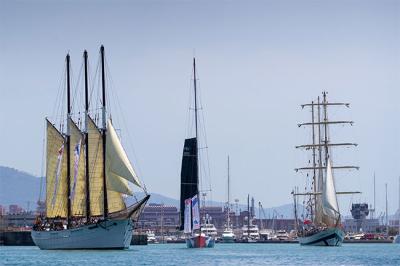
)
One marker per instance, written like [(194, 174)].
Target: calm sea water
[(222, 254)]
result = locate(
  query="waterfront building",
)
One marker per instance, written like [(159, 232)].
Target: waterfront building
[(2, 210), (159, 217), (17, 220), (364, 225), (15, 209)]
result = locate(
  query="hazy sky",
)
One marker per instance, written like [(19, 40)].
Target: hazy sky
[(257, 62)]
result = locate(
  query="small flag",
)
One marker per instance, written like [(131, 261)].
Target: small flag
[(57, 173), (77, 153), (195, 212), (188, 218)]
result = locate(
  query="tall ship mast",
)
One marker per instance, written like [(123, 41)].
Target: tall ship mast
[(190, 193), (322, 226), (88, 177)]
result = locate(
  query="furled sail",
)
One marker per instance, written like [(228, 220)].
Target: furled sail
[(189, 174), (56, 174), (95, 168), (118, 164), (77, 165), (329, 200), (318, 198)]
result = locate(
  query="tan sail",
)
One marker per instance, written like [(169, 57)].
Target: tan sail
[(115, 201), (95, 169), (56, 174), (115, 184), (119, 165), (78, 193)]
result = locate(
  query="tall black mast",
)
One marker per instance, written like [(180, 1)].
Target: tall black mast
[(195, 113), (85, 56), (196, 129), (104, 130), (68, 139)]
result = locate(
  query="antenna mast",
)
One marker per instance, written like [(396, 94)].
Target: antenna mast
[(228, 209), (387, 221)]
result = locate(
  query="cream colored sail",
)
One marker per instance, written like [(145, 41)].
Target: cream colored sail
[(118, 164), (77, 170), (95, 168), (116, 186), (56, 174), (329, 200)]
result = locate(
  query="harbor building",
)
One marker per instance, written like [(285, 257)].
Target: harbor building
[(17, 220), (2, 210), (366, 225), (159, 217), (359, 221)]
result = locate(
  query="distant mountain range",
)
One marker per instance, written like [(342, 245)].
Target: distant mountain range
[(18, 187), (23, 189)]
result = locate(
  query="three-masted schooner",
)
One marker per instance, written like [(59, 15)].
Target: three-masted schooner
[(87, 177), (190, 197), (322, 226)]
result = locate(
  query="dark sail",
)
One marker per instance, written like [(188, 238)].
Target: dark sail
[(189, 174)]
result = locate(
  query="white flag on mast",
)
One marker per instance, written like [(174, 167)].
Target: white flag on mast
[(195, 212), (77, 154), (57, 174), (188, 218)]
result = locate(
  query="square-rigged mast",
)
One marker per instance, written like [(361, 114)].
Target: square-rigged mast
[(321, 147)]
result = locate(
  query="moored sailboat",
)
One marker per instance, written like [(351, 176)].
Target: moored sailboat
[(227, 235), (322, 226), (87, 177), (396, 239), (195, 237)]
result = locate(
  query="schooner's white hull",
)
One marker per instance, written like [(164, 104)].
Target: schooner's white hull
[(328, 237), (110, 234)]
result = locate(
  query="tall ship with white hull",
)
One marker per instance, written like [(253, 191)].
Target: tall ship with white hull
[(88, 177), (322, 224)]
